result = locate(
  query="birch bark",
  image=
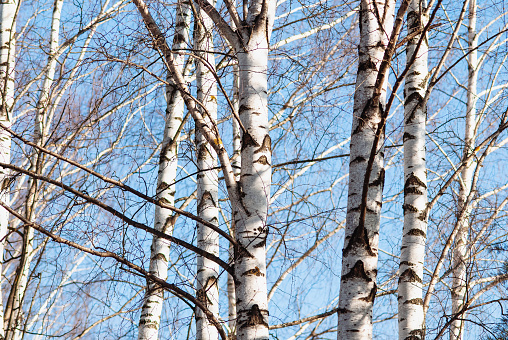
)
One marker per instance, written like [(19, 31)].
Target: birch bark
[(7, 53), (459, 263), (149, 320), (236, 164), (207, 179), (254, 185), (411, 320), (360, 252)]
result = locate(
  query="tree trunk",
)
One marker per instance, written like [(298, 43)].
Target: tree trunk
[(207, 180), (7, 53), (360, 252), (149, 320), (15, 307), (411, 320), (236, 163), (255, 181), (459, 272)]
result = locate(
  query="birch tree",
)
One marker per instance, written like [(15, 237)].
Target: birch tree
[(8, 10), (164, 221), (411, 320), (207, 179), (460, 252), (359, 255)]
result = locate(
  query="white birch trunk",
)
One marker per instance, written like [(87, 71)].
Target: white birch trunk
[(149, 320), (7, 62), (411, 320), (43, 106), (360, 252), (459, 272), (236, 164), (255, 181), (207, 181)]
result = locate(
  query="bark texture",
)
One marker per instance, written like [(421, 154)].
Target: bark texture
[(255, 177), (236, 164), (7, 52), (149, 320), (207, 179), (360, 252), (459, 263), (411, 319)]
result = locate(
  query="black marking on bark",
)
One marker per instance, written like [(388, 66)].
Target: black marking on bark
[(163, 200), (160, 257), (372, 295), (407, 136), (260, 244), (409, 208), (380, 180), (414, 181), (262, 160), (343, 311), (367, 65), (203, 202), (407, 263), (203, 151), (359, 159), (254, 317), (162, 186), (247, 141), (413, 20), (416, 232), (416, 334), (243, 108), (409, 275), (255, 271), (357, 272), (179, 38), (415, 96), (359, 239), (412, 191), (423, 216), (363, 119), (241, 252), (266, 145), (417, 301)]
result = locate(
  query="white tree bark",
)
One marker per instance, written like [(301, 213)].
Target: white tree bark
[(236, 164), (459, 263), (411, 320), (207, 180), (7, 62), (360, 252), (255, 177), (149, 320)]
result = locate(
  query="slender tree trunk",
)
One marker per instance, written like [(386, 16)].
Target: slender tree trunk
[(236, 163), (15, 306), (459, 273), (411, 320), (7, 54), (255, 181), (360, 252), (149, 320), (207, 180)]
